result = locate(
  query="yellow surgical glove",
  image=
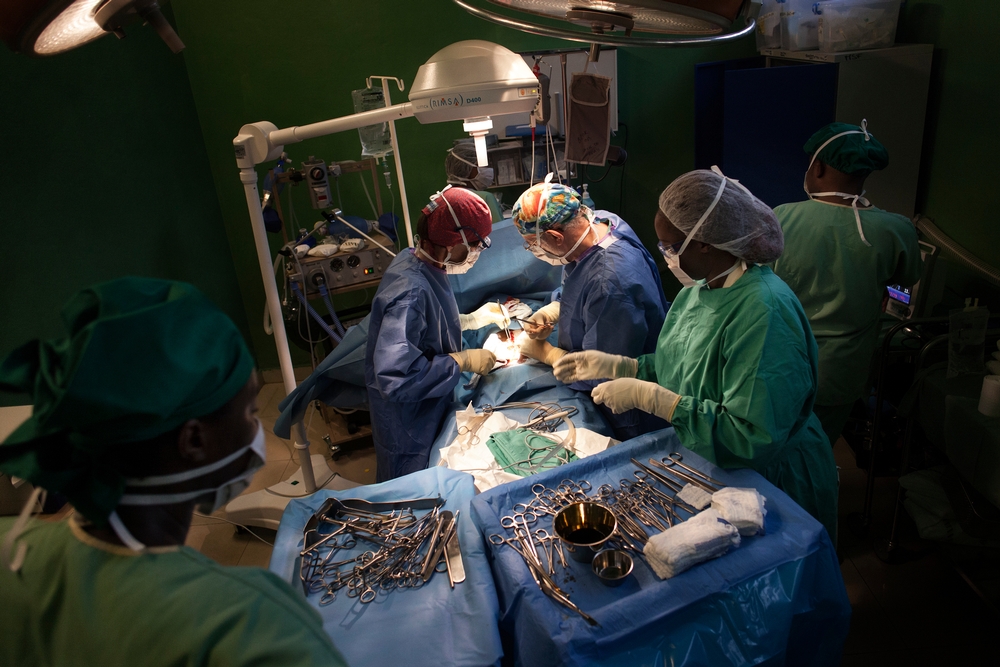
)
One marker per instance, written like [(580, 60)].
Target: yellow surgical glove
[(542, 350), (594, 365), (625, 394), (539, 325), (490, 313), (475, 360)]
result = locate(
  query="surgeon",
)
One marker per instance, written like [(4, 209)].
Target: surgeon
[(734, 369), (143, 412), (840, 254), (611, 300), (414, 356), (462, 170)]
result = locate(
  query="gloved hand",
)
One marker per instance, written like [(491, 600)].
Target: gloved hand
[(542, 350), (539, 325), (626, 393), (490, 313), (475, 360), (594, 365)]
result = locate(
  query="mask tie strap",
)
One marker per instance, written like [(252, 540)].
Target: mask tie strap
[(123, 533), (15, 561), (708, 211)]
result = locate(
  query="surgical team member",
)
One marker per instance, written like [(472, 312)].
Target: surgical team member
[(462, 170), (734, 369), (143, 412), (840, 253), (611, 300), (414, 356)]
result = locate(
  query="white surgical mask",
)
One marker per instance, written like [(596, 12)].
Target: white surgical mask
[(855, 199), (221, 494), (454, 269), (674, 259), (556, 260)]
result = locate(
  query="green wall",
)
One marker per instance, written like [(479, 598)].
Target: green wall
[(296, 63), (960, 171), (104, 174), (106, 171)]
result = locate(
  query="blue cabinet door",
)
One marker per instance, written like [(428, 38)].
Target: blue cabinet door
[(753, 120)]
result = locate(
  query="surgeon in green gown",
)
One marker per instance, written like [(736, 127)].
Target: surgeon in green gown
[(143, 412), (734, 369), (840, 254)]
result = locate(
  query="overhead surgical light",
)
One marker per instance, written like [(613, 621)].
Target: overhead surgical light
[(47, 27), (692, 22), (471, 81)]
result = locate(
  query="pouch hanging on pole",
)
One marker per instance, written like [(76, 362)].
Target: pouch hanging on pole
[(589, 133)]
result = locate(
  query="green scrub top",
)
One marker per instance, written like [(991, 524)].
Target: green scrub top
[(841, 282), (744, 363), (79, 601)]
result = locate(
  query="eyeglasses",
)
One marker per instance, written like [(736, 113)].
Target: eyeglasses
[(476, 241), (670, 250)]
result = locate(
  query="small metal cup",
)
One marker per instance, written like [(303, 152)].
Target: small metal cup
[(584, 528), (612, 566)]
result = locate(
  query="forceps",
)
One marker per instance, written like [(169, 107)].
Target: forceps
[(675, 458)]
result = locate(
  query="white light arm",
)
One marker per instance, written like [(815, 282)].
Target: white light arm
[(263, 141)]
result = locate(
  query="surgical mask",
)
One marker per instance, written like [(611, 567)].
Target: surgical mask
[(556, 260), (483, 179), (454, 269), (222, 494), (855, 199), (674, 258)]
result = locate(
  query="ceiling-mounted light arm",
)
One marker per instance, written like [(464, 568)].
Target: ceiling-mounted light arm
[(611, 39)]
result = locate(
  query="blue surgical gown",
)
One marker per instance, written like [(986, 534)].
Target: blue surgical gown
[(612, 301), (409, 375)]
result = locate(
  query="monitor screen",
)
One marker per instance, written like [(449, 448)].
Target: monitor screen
[(899, 293)]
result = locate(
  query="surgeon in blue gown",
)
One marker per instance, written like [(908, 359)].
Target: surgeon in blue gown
[(414, 357), (612, 298)]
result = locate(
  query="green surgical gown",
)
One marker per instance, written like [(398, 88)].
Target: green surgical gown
[(841, 281), (74, 602), (744, 363)]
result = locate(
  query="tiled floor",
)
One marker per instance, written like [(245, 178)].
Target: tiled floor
[(918, 612)]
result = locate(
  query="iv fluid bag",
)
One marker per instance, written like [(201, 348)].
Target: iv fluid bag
[(375, 139)]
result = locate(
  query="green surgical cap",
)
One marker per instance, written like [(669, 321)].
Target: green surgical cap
[(855, 154), (141, 356)]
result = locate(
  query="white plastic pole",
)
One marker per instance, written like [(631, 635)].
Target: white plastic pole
[(399, 162), (249, 178)]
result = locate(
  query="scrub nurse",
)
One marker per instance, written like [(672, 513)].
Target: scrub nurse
[(734, 369)]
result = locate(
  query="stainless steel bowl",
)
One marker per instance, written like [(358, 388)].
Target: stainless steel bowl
[(612, 566), (584, 528)]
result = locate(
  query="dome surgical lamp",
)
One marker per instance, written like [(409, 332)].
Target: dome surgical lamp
[(469, 81)]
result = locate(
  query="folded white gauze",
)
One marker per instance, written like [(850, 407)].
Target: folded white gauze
[(703, 536), (744, 508), (695, 496)]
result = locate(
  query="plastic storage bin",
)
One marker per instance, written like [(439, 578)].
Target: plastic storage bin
[(853, 25), (799, 25), (769, 25)]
